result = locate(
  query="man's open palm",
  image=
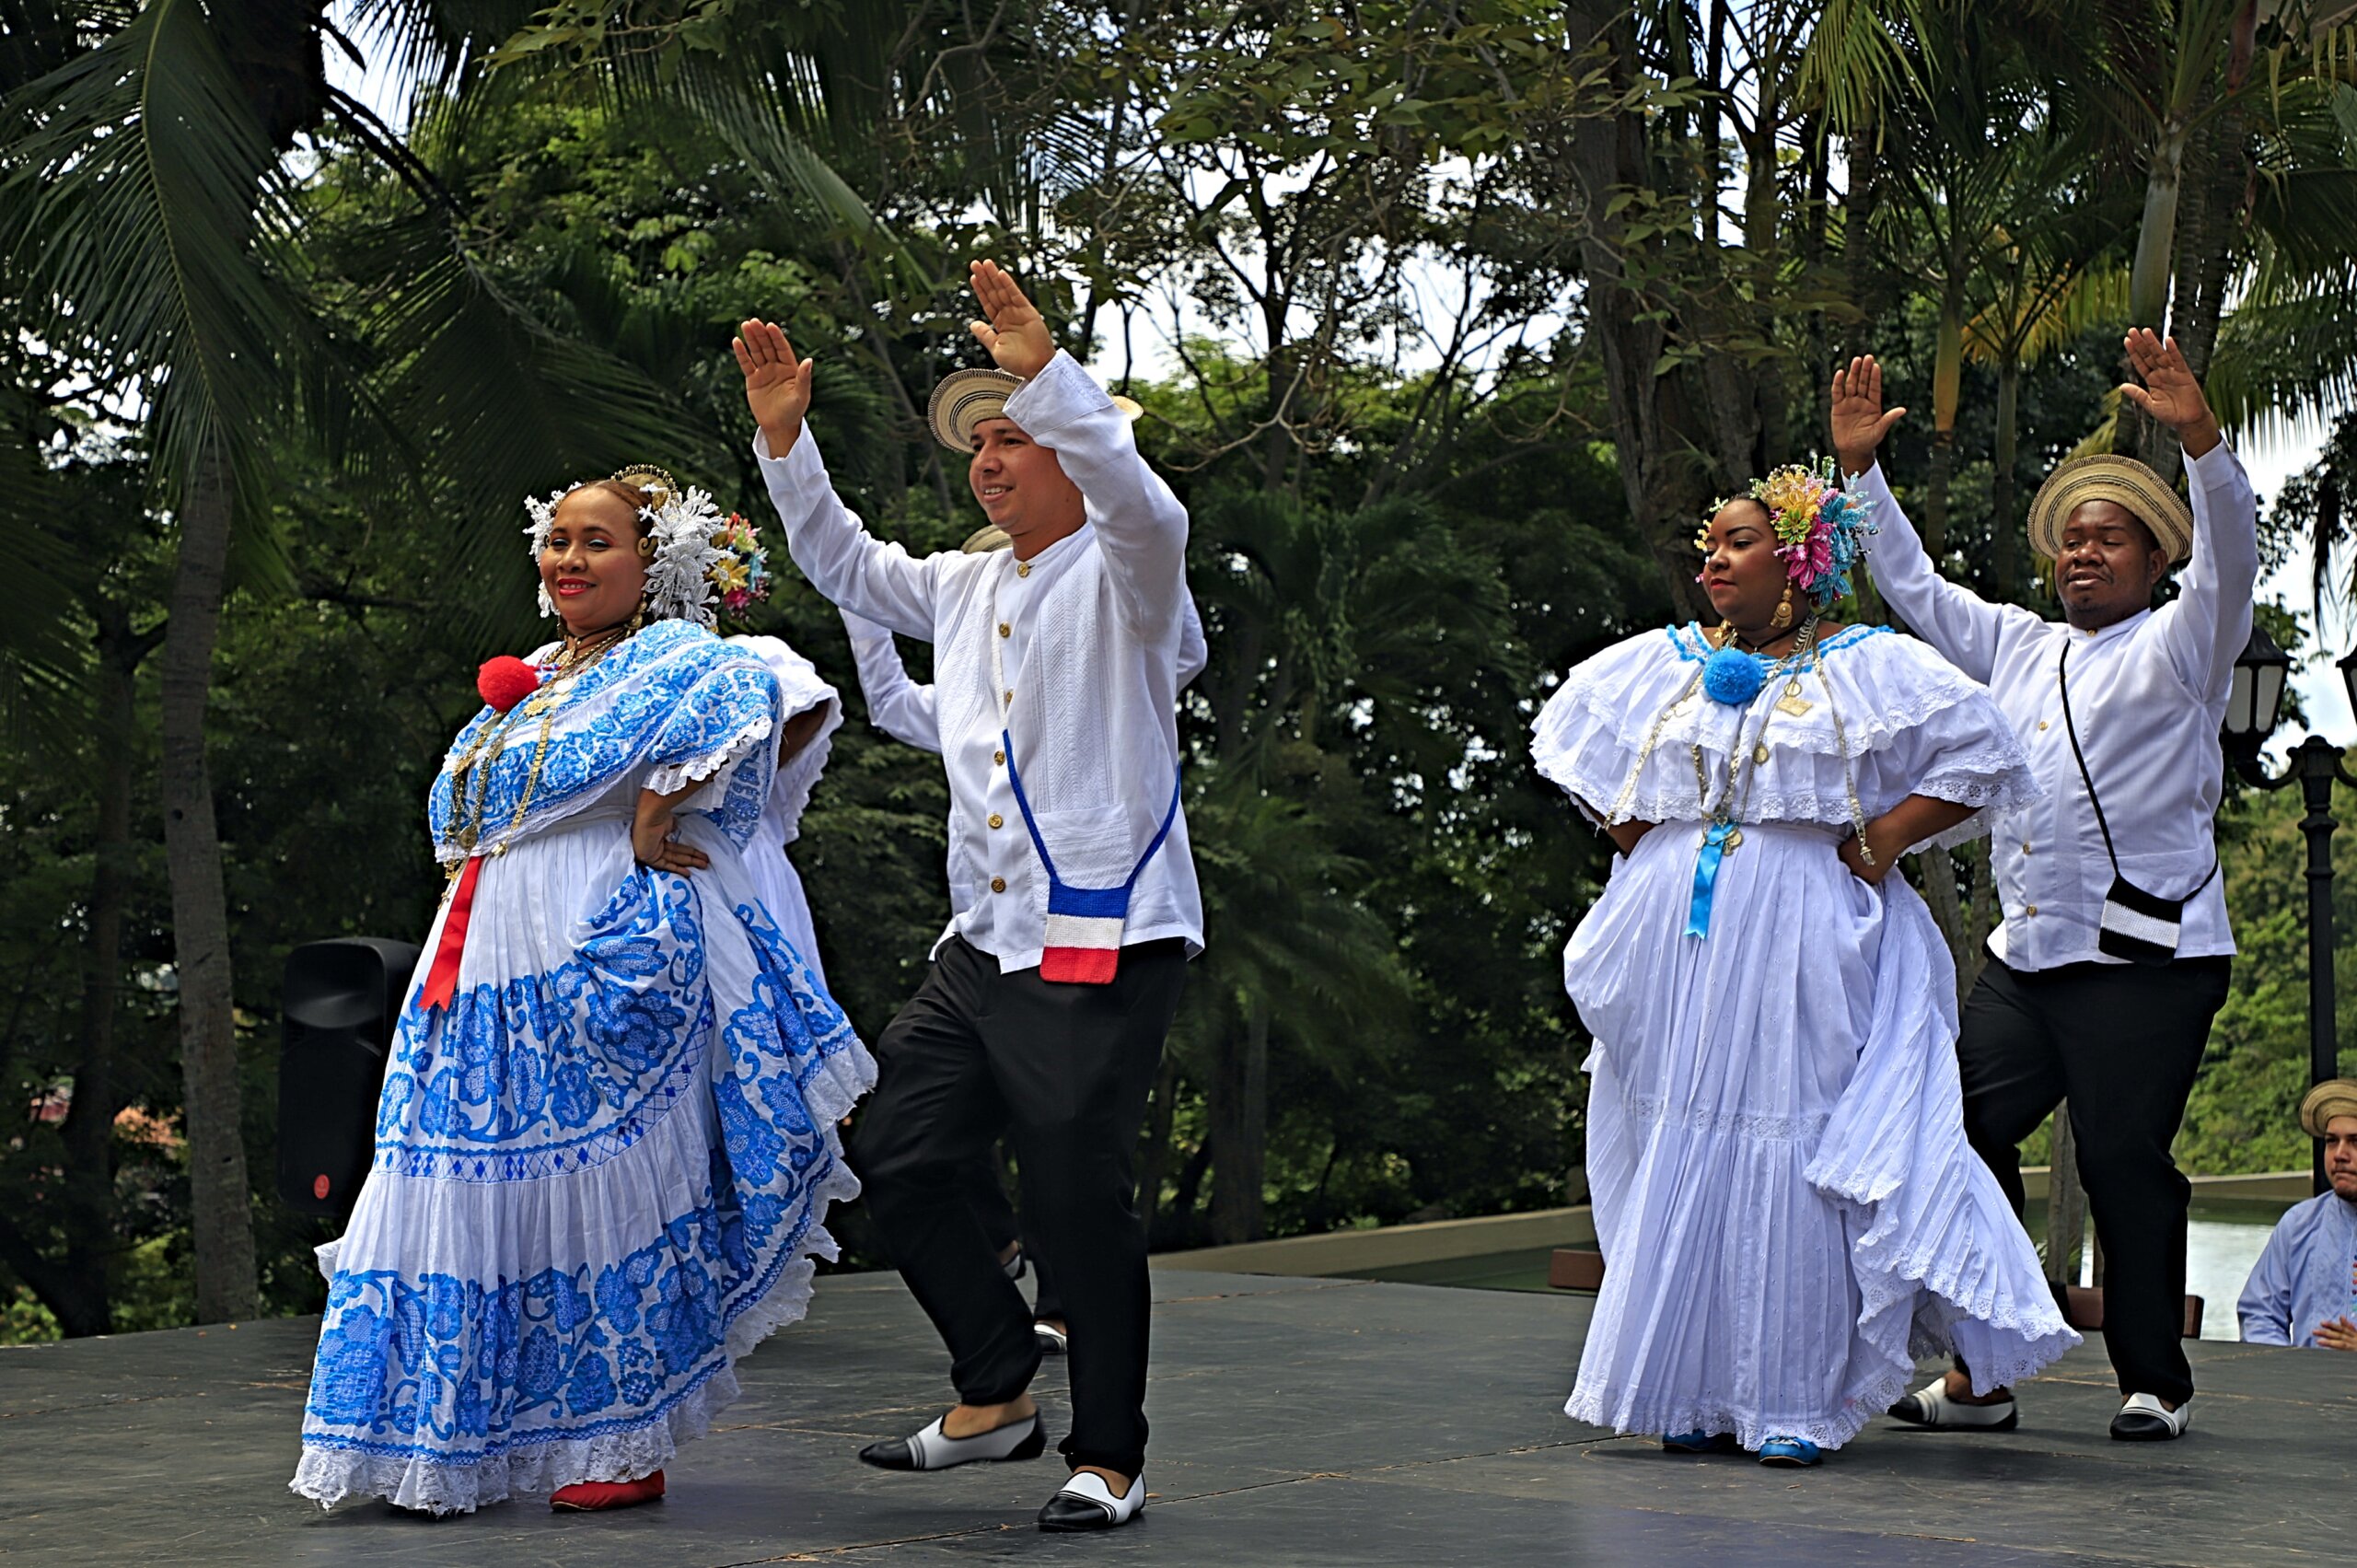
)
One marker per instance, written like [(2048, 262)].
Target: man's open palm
[(777, 385), (2170, 394), (1858, 421), (1017, 334)]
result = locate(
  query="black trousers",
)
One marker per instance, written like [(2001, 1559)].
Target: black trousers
[(1064, 1070), (2123, 1042), (987, 1196)]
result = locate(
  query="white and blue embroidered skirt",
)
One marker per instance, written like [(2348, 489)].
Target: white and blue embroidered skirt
[(601, 1177)]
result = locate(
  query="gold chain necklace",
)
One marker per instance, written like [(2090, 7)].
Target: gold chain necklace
[(491, 743), (1721, 820)]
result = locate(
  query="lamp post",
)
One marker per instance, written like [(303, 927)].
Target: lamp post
[(2253, 708)]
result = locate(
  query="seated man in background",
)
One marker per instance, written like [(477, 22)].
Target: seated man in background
[(2303, 1290)]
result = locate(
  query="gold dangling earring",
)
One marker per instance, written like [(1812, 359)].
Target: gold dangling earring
[(1784, 616)]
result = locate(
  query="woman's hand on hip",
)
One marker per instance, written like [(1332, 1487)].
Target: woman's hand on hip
[(651, 828), (1866, 855)]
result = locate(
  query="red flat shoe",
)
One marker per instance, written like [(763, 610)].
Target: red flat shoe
[(589, 1496)]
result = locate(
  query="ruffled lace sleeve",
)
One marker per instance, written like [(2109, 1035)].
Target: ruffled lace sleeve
[(1633, 737), (721, 731), (1940, 734), (1591, 736), (800, 689)]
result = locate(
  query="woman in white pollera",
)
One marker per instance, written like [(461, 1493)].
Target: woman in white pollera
[(1788, 1210)]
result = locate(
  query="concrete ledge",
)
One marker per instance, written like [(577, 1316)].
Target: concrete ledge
[(1389, 1247), (2290, 1186), (1341, 1251)]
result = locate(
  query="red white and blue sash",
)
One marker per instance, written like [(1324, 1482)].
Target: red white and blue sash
[(1084, 937)]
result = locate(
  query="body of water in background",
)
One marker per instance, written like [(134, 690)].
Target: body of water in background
[(2222, 1239)]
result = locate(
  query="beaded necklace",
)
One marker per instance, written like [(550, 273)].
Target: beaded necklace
[(1723, 835), (491, 743)]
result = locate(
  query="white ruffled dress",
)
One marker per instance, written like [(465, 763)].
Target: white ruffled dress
[(603, 1168), (1787, 1207)]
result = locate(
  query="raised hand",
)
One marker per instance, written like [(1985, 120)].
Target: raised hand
[(1858, 421), (777, 385), (1017, 334), (2170, 394)]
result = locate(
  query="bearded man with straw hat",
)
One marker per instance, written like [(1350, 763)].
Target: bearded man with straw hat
[(2114, 949)]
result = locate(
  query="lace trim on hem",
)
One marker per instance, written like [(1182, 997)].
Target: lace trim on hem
[(1655, 1417), (462, 1483), (672, 777)]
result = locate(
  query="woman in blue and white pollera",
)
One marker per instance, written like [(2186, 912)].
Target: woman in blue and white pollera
[(605, 1145), (1787, 1207)]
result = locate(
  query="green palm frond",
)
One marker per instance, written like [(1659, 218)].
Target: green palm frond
[(492, 405), (144, 212), (2287, 355)]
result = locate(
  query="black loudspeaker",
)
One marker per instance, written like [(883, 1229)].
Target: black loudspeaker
[(341, 1001)]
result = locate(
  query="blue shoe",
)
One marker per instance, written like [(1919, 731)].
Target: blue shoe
[(1700, 1443), (1795, 1453)]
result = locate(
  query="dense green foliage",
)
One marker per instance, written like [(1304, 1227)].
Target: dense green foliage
[(1396, 283)]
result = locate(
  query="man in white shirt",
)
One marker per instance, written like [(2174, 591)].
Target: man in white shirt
[(905, 710), (1073, 892), (2097, 992)]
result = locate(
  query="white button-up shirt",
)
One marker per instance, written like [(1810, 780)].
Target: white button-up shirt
[(2149, 696), (1136, 534), (905, 710)]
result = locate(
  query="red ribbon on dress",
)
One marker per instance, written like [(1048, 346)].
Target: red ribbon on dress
[(442, 980)]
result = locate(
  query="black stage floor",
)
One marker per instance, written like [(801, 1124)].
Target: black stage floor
[(1296, 1421)]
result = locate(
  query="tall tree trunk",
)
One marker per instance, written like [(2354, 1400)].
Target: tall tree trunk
[(2217, 176), (1945, 900), (2004, 547), (2136, 434), (1239, 1131), (1947, 391), (1659, 421), (85, 1306), (1980, 918), (219, 1196)]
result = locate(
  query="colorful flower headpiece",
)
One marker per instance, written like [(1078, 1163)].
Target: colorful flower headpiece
[(1821, 530), (699, 562), (742, 574)]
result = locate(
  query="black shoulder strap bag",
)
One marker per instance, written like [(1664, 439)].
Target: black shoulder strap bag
[(2138, 927)]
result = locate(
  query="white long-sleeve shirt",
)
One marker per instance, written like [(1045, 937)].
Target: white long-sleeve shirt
[(1093, 724), (2148, 694), (905, 710)]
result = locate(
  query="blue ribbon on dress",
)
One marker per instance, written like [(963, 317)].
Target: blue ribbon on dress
[(1717, 843)]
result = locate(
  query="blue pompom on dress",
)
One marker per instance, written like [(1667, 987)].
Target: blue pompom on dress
[(1788, 1209)]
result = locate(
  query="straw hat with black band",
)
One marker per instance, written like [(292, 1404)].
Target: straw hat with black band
[(2124, 481), (966, 398)]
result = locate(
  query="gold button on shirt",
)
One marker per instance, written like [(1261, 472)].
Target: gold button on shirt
[(999, 758), (998, 884), (997, 821)]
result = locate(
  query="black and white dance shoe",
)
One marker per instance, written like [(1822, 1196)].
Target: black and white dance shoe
[(1087, 1502), (1052, 1339), (2143, 1419), (933, 1450), (1932, 1406)]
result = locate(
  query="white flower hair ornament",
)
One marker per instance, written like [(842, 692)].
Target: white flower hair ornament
[(696, 558)]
